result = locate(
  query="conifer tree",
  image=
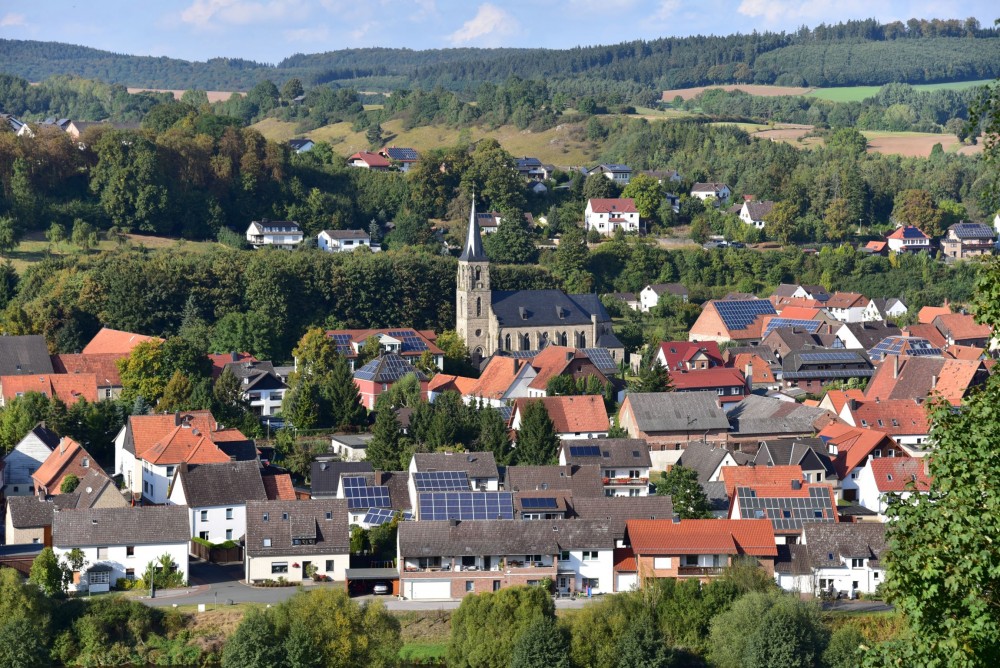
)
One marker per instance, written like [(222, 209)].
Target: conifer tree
[(537, 442), (384, 450)]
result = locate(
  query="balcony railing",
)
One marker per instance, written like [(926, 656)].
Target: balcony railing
[(626, 481), (699, 570)]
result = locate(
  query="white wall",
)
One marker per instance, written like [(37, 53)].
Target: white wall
[(119, 561), (259, 568), (268, 401), (216, 523), (602, 569), (21, 462), (157, 480)]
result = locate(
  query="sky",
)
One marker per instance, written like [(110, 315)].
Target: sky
[(269, 30)]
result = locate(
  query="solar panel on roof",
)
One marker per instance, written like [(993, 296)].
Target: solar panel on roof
[(440, 481), (377, 516), (740, 313), (465, 505), (602, 359), (584, 451), (343, 342), (811, 326), (828, 357), (352, 481), (363, 496), (539, 502), (384, 369)]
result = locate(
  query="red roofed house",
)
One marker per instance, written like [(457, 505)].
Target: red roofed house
[(908, 239), (115, 341), (219, 362), (876, 247), (723, 320), (104, 367), (408, 343), (149, 448), (926, 315), (689, 355), (729, 384), (607, 216), (882, 479), (756, 371), (70, 388), (573, 417), (67, 458), (962, 329), (759, 476), (369, 160), (698, 548), (850, 448)]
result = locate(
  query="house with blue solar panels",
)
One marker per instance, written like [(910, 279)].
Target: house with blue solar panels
[(723, 320), (402, 158), (408, 343), (624, 463), (810, 369), (908, 239), (381, 373)]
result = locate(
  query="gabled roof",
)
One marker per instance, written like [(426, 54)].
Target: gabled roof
[(322, 522), (758, 209), (70, 388), (846, 300), (705, 379), (413, 342), (43, 434), (926, 315), (143, 525), (972, 231), (871, 333), (497, 377), (787, 506), (907, 232), (444, 382), (897, 417), (546, 308), (876, 246), (708, 187), (580, 481), (572, 415), (370, 159), (742, 314), (749, 536), (761, 371), (840, 397), (619, 509), (32, 512), (765, 415), (388, 368), (255, 375), (619, 205), (828, 544), (475, 464), (346, 234), (903, 346), (810, 454), (928, 332), (219, 361), (679, 353), (676, 411), (325, 475), (24, 354), (919, 377), (173, 438), (502, 537), (677, 289), (92, 488), (231, 483), (704, 458), (613, 452), (960, 326), (66, 458), (104, 366), (400, 154), (900, 474), (760, 476), (115, 341), (853, 445)]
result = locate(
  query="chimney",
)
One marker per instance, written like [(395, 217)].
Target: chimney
[(378, 479), (453, 522), (933, 382), (182, 467), (895, 366)]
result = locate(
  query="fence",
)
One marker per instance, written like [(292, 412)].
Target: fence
[(217, 555)]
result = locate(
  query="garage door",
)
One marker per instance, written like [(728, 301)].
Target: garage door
[(429, 589), (627, 581)]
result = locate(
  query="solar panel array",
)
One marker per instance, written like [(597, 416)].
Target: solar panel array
[(811, 326), (828, 373), (505, 413), (894, 345), (387, 368), (360, 495), (411, 342), (740, 313), (538, 502), (828, 357), (343, 342), (602, 359), (521, 354), (440, 481), (584, 451), (377, 516), (465, 505), (787, 513), (402, 154)]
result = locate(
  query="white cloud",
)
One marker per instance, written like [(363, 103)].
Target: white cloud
[(666, 9), (10, 20), (784, 11), (205, 13), (489, 24), (314, 34)]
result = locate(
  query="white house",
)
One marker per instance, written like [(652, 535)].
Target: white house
[(650, 295), (624, 462), (339, 241), (120, 542), (26, 458), (620, 174), (215, 496), (301, 145), (274, 233), (350, 447), (881, 479), (846, 306), (841, 557), (607, 216), (719, 191), (587, 571), (884, 309), (908, 239), (296, 540), (573, 417), (262, 388), (756, 213)]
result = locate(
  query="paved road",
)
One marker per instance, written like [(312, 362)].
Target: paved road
[(856, 606)]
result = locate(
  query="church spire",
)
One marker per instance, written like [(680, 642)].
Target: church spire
[(473, 250)]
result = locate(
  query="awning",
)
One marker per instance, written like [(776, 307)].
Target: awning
[(371, 574)]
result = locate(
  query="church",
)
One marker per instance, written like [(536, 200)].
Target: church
[(492, 321)]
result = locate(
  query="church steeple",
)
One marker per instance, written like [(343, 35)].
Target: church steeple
[(473, 250)]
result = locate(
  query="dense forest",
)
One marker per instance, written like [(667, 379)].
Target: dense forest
[(851, 53)]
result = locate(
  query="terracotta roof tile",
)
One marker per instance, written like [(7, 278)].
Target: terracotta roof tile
[(762, 372), (115, 341), (166, 439), (846, 300), (926, 315), (67, 458), (279, 487), (961, 326), (620, 205), (573, 415), (753, 537), (965, 352), (895, 416), (755, 476), (103, 365), (840, 397), (553, 361), (678, 353), (624, 559), (703, 379), (68, 387), (219, 362), (926, 331), (900, 474), (801, 312)]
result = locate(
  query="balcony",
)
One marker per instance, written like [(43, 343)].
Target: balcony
[(626, 481), (699, 571)]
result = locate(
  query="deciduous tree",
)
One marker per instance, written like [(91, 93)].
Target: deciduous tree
[(686, 493)]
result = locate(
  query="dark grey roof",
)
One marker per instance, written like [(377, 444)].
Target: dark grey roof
[(797, 339), (388, 368), (401, 154), (718, 500), (617, 452), (829, 543), (618, 509), (502, 537), (677, 411), (809, 453), (144, 525), (609, 341), (475, 464), (869, 334), (763, 352), (45, 435), (792, 560), (231, 483), (788, 513), (322, 521), (545, 308), (766, 415), (972, 231), (677, 289), (398, 484), (473, 250), (30, 512), (759, 209), (704, 458), (21, 355), (299, 143), (325, 475), (346, 234), (92, 486), (239, 451), (826, 363), (256, 375), (581, 481)]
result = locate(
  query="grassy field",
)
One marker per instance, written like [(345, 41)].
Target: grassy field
[(34, 248), (858, 93), (916, 144)]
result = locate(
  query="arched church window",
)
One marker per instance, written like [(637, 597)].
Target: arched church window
[(479, 306), (479, 274), (526, 342), (506, 342)]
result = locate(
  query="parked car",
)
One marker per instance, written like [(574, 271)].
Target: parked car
[(381, 588)]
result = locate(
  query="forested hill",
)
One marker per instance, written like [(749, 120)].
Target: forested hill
[(852, 53)]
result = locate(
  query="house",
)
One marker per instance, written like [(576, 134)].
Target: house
[(698, 548), (903, 346), (369, 160), (843, 557), (663, 175), (402, 158), (576, 481), (25, 458), (816, 293), (340, 241), (781, 475), (852, 447), (262, 389), (847, 306), (448, 560), (149, 448), (69, 388), (295, 540), (489, 222), (215, 497), (115, 342), (965, 240), (668, 421), (649, 296), (378, 375), (757, 419), (810, 455), (903, 419), (103, 366), (374, 498), (756, 212), (350, 447), (719, 191), (962, 329), (479, 468), (810, 369), (908, 239), (624, 462), (284, 234), (619, 509), (607, 216), (757, 371), (301, 145), (885, 309), (881, 479), (24, 355), (408, 343), (707, 461), (729, 384), (573, 417), (689, 356), (67, 458), (325, 474), (865, 335), (723, 320), (875, 248), (787, 506), (533, 169), (916, 378), (121, 542), (619, 174), (12, 123)]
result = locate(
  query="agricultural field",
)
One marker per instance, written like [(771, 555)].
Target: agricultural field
[(213, 95), (839, 94), (34, 247), (916, 144), (752, 89)]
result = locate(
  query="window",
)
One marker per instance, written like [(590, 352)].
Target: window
[(634, 474), (496, 585), (533, 557), (86, 463), (468, 560), (203, 535), (720, 391), (102, 553), (329, 515), (267, 542), (130, 550), (229, 513), (130, 574), (591, 583), (279, 567), (107, 395), (564, 555), (265, 517), (590, 555), (284, 516), (876, 454), (662, 563), (329, 565), (857, 563), (875, 575), (99, 577), (34, 540), (854, 475), (229, 534), (170, 471), (469, 585), (818, 514), (204, 516)]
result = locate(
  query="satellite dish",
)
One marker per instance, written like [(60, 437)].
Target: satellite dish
[(90, 490)]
